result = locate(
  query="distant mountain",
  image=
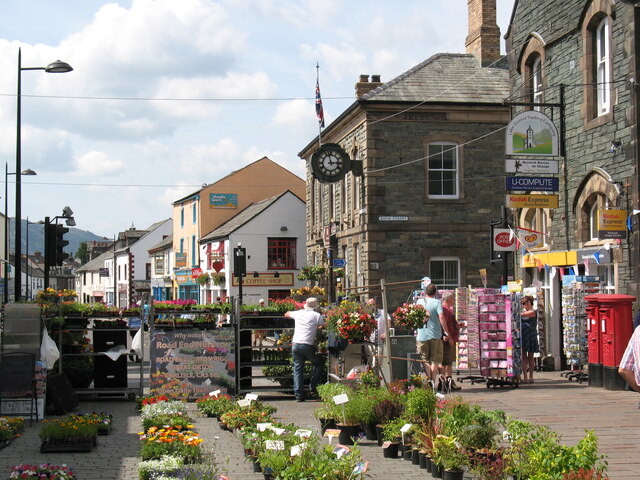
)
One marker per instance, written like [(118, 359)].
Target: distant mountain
[(74, 236)]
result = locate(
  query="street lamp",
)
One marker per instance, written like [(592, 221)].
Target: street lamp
[(55, 67), (28, 171)]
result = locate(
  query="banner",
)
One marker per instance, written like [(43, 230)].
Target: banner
[(187, 364)]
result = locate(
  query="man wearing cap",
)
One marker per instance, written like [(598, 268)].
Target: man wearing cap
[(307, 322)]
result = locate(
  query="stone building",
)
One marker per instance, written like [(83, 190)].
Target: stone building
[(430, 143), (576, 60)]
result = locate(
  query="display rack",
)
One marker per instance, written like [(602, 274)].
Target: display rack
[(574, 323), (469, 341), (496, 340)]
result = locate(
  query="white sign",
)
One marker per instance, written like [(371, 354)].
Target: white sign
[(517, 165), (274, 444), (244, 403), (393, 218), (215, 393), (296, 450), (405, 428), (503, 240), (303, 433), (251, 396), (278, 431), (263, 426), (531, 133), (340, 399)]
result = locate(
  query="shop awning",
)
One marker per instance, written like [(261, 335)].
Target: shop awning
[(553, 259)]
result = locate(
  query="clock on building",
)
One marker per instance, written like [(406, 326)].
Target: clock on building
[(330, 163)]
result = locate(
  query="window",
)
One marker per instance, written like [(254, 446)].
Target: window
[(182, 217), (536, 82), (181, 245), (281, 253), (159, 265), (359, 280), (193, 212), (593, 222), (445, 272), (602, 66), (537, 219), (443, 170), (148, 271), (194, 256)]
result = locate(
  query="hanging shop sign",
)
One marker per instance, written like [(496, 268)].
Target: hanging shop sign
[(196, 272), (223, 200), (554, 259), (532, 133), (514, 200), (103, 272), (612, 224), (525, 165), (537, 184), (530, 239), (266, 279), (503, 240), (598, 255), (181, 260)]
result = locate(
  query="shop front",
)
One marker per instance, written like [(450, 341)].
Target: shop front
[(188, 288)]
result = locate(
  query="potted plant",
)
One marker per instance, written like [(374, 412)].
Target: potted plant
[(42, 472), (391, 437), (69, 434), (364, 401), (79, 370), (388, 408), (448, 455), (203, 279), (409, 316), (169, 440), (273, 462)]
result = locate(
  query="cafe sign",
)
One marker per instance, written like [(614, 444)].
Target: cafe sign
[(265, 279), (513, 200)]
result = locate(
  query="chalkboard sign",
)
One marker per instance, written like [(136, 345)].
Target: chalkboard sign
[(17, 373), (60, 395)]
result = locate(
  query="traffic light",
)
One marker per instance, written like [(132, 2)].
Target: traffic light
[(239, 262), (50, 243), (60, 244)]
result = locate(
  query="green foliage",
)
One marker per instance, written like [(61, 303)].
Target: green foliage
[(389, 408), (364, 401), (391, 430), (162, 420), (312, 273), (82, 254), (481, 432), (447, 453), (421, 404), (214, 406)]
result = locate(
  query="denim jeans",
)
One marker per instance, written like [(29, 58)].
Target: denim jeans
[(302, 352)]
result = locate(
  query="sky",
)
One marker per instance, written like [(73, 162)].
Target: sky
[(167, 95)]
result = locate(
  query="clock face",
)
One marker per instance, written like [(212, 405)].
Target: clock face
[(330, 163)]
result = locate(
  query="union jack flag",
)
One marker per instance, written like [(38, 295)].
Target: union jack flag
[(319, 110)]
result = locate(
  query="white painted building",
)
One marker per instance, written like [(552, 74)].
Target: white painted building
[(273, 233)]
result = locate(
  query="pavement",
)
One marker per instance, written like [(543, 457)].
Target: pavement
[(567, 407)]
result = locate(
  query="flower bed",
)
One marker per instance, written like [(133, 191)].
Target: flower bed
[(42, 472)]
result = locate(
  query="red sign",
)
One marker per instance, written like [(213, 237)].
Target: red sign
[(196, 272), (503, 240)]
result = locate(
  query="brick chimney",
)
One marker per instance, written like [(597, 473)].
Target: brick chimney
[(483, 39), (365, 86)]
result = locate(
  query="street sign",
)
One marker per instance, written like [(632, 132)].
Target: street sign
[(517, 165), (393, 218), (514, 200), (339, 263), (536, 184)]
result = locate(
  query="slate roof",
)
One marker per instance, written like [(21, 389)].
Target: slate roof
[(445, 77), (97, 263), (166, 242), (241, 218)]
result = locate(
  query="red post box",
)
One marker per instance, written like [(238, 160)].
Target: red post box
[(594, 346), (616, 328)]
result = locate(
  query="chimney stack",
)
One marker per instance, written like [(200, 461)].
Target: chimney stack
[(483, 39), (365, 86)]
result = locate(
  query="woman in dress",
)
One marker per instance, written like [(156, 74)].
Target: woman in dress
[(529, 329)]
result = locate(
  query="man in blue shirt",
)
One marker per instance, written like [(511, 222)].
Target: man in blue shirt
[(430, 337)]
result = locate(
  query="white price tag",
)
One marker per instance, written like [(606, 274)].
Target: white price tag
[(296, 450), (405, 428), (274, 445), (215, 393), (340, 399), (278, 431), (244, 403), (303, 433), (251, 396), (263, 426)]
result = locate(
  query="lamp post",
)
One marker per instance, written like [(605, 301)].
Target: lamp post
[(28, 171), (55, 67)]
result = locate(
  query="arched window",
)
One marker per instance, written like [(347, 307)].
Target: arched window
[(536, 82), (602, 66)]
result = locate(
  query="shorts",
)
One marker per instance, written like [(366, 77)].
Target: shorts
[(448, 353), (431, 351)]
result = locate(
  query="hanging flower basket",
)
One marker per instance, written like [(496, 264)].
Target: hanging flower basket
[(410, 316)]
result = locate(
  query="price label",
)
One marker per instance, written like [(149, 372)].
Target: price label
[(274, 444), (386, 444), (330, 432), (405, 428), (263, 426), (303, 433), (340, 399), (278, 431), (244, 403), (340, 450), (251, 396), (215, 393), (296, 450)]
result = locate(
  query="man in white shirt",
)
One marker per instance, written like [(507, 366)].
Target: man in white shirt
[(303, 347)]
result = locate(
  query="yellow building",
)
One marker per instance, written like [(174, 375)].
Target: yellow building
[(206, 209)]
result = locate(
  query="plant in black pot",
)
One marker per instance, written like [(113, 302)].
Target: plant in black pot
[(449, 456), (79, 371), (391, 437), (364, 401), (349, 421), (388, 408)]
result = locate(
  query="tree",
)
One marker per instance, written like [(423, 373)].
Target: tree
[(83, 253)]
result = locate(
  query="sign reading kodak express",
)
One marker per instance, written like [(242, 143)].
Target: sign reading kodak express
[(531, 201), (265, 279), (612, 224)]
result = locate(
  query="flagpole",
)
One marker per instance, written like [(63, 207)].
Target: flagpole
[(317, 99)]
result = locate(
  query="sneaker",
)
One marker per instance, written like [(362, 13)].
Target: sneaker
[(454, 385)]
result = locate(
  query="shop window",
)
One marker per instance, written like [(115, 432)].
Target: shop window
[(445, 272), (281, 253), (279, 294), (442, 171)]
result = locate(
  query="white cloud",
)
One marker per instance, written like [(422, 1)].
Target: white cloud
[(342, 60), (96, 163)]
